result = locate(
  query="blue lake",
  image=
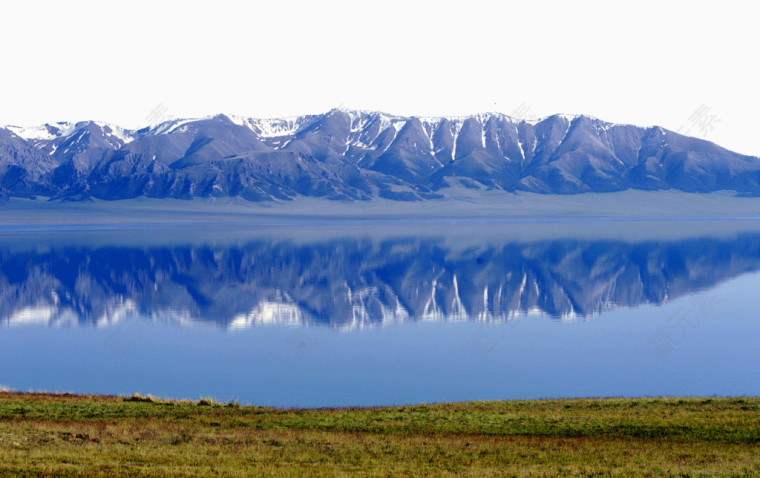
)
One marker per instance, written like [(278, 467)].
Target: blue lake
[(386, 313)]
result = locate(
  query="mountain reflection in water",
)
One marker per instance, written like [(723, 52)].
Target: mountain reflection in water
[(359, 282)]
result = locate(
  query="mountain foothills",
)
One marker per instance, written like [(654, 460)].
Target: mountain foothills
[(352, 155)]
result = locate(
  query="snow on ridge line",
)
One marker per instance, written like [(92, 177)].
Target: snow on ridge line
[(288, 125), (124, 135), (172, 125), (42, 132), (66, 129), (276, 127)]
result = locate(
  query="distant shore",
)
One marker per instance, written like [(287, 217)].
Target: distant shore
[(627, 215), (457, 203), (62, 434)]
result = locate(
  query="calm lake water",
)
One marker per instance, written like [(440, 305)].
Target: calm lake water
[(383, 313)]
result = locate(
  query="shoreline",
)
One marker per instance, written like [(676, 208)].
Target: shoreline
[(456, 204), (6, 393)]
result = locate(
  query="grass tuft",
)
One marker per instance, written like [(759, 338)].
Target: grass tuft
[(209, 402), (136, 397)]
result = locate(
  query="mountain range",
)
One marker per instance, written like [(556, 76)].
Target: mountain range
[(357, 155)]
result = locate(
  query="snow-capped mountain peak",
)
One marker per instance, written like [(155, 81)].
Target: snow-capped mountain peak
[(47, 136), (45, 132)]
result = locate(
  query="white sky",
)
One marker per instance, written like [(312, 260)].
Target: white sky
[(644, 62)]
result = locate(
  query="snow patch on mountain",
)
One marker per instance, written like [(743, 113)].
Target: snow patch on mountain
[(275, 127), (44, 132)]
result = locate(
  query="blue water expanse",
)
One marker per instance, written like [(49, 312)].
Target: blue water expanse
[(390, 314)]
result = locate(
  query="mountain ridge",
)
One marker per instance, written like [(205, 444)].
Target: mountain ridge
[(360, 155)]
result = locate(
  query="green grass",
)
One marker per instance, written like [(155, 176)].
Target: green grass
[(65, 435)]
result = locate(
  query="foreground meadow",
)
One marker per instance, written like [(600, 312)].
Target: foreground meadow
[(68, 435)]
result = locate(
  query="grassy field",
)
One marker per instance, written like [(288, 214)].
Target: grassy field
[(64, 435)]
